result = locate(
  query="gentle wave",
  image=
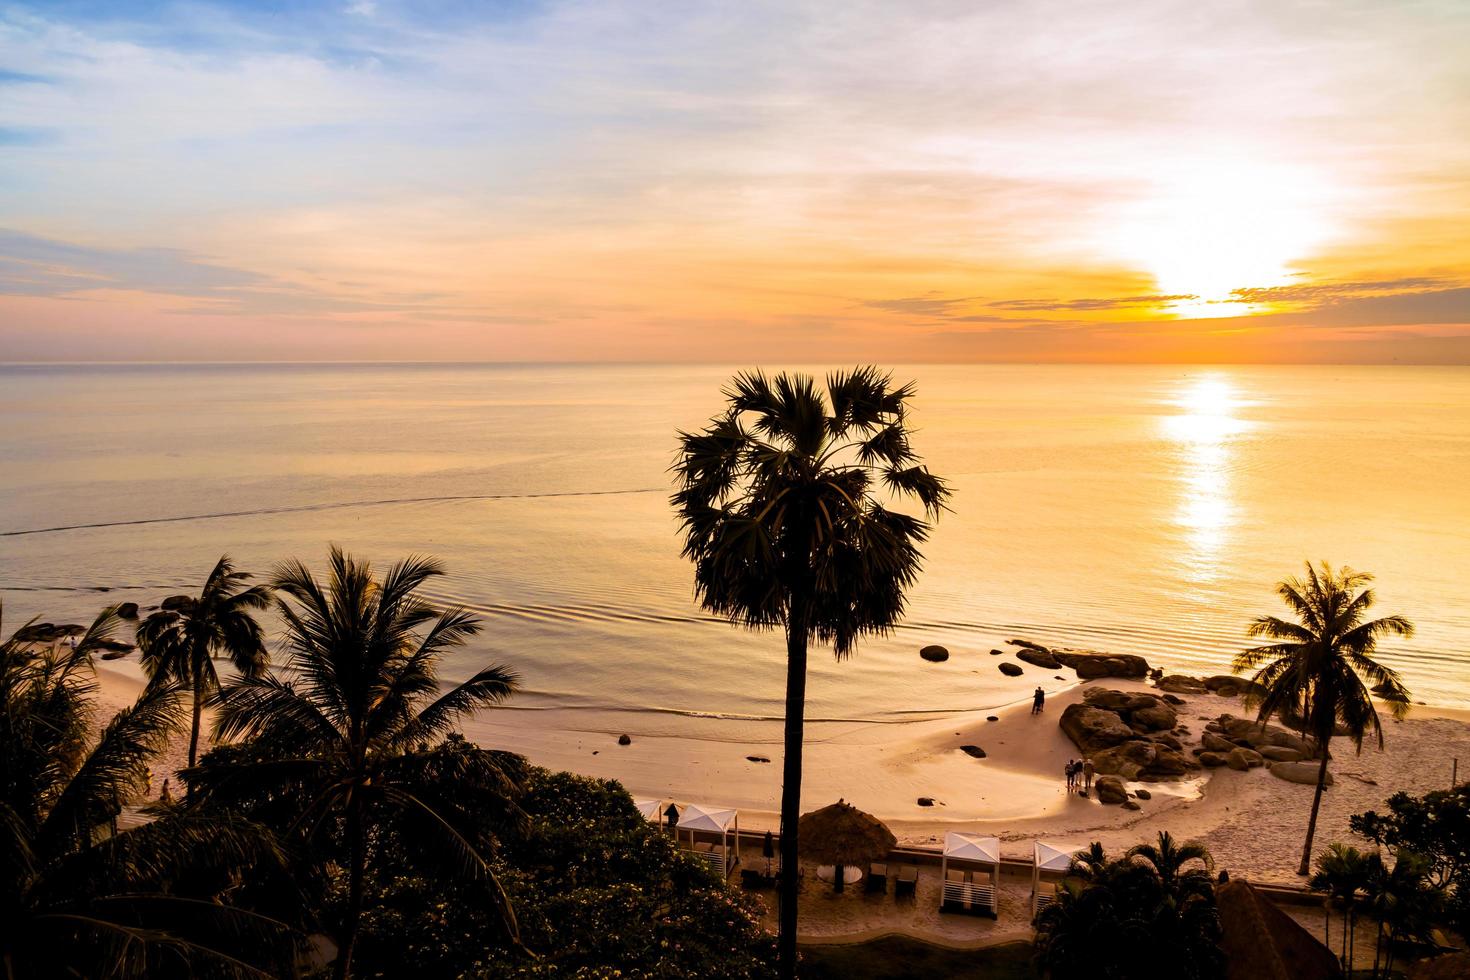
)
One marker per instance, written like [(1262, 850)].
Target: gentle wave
[(333, 505)]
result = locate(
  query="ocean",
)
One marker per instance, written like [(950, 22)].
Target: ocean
[(1145, 510)]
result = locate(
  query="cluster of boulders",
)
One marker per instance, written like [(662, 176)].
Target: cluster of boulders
[(1243, 744), (1089, 664), (1134, 736), (1224, 685)]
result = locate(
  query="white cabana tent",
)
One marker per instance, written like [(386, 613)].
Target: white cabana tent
[(652, 810), (1051, 860), (970, 889), (705, 822)]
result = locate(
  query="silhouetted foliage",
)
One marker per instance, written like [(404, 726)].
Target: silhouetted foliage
[(779, 498), (1316, 672), (1436, 826)]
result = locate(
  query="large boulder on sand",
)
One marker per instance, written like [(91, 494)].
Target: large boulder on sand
[(1181, 684), (127, 610), (1157, 717), (1216, 743), (1011, 670), (1090, 665), (1110, 789), (1093, 729), (1242, 759), (1279, 753), (1299, 772), (1038, 658), (1230, 686), (1211, 760), (176, 602), (935, 654), (1101, 697)]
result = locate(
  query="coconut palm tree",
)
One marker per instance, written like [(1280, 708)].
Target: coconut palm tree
[(779, 498), (1342, 872), (1316, 670), (341, 730), (178, 645), (1119, 919), (1170, 861), (80, 898)]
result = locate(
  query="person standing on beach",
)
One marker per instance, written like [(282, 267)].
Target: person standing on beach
[(1037, 700), (1071, 771), (1087, 775), (164, 795)]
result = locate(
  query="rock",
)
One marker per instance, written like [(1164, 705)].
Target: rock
[(1061, 678), (1230, 686), (1299, 772), (1211, 760), (926, 801), (1168, 741), (1011, 670), (114, 654), (934, 654), (756, 758), (992, 718), (1131, 805), (1093, 729), (974, 751), (1168, 763), (997, 653), (1110, 789), (1143, 794), (624, 740), (127, 610), (1100, 697), (1038, 658), (1216, 743), (1028, 645), (1279, 753), (1156, 673), (115, 646), (1091, 666), (1180, 684), (1243, 759), (175, 603), (1155, 718), (1174, 699)]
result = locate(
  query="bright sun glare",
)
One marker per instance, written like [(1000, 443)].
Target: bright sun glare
[(1232, 224)]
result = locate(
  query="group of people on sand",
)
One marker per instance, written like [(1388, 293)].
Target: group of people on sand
[(1079, 776), (1038, 701)]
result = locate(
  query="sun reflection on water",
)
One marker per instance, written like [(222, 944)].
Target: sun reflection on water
[(1203, 434)]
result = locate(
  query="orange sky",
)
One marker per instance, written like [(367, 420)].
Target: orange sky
[(1124, 181)]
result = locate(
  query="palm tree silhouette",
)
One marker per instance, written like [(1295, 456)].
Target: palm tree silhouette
[(778, 498), (1342, 872), (1316, 671), (80, 898), (180, 645), (1169, 859), (344, 730)]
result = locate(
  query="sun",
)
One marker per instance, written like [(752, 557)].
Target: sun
[(1210, 228)]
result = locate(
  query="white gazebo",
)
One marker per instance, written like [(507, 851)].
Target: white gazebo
[(705, 822), (1051, 860), (968, 886), (652, 810)]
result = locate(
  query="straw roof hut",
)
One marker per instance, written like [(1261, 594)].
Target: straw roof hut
[(841, 834), (1261, 942)]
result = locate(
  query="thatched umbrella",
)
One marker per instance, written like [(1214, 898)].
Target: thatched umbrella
[(841, 834)]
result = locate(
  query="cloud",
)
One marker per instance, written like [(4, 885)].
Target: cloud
[(1330, 292), (1112, 303), (924, 306)]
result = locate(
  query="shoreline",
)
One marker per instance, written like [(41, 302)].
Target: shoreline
[(1253, 822)]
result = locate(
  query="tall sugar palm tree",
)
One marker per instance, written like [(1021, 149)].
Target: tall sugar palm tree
[(179, 645), (1321, 667), (340, 728), (78, 897), (780, 501)]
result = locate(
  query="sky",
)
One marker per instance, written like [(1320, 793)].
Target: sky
[(1129, 180)]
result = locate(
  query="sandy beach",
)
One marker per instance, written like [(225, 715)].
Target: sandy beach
[(1252, 821)]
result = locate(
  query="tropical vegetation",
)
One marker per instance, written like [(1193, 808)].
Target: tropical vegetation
[(782, 502), (1320, 670), (178, 644), (1150, 912)]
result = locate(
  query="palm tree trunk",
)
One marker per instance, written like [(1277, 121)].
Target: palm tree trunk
[(1316, 805), (358, 847), (198, 711), (796, 642)]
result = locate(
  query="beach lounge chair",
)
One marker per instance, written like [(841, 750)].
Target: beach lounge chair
[(956, 895), (908, 881), (877, 878)]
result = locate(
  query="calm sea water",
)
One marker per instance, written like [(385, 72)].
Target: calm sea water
[(1135, 509)]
